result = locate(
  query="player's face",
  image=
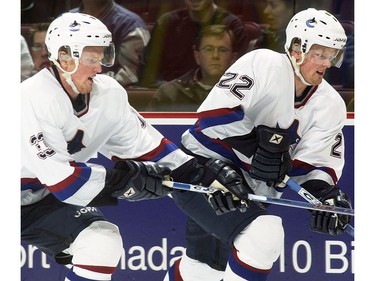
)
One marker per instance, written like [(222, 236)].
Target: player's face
[(214, 56), (316, 62), (89, 66)]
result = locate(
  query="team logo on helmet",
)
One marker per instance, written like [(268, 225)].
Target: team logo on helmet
[(75, 26), (311, 22)]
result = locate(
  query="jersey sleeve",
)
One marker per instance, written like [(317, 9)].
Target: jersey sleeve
[(138, 140), (319, 155)]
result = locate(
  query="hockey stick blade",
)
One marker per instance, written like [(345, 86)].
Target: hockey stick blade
[(264, 199)]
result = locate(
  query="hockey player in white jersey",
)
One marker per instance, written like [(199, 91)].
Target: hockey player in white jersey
[(269, 116), (69, 113)]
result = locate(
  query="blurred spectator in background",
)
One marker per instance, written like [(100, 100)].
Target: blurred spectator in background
[(168, 55), (277, 14), (27, 64), (26, 6), (39, 50), (35, 11), (347, 67), (343, 77), (213, 53), (129, 33)]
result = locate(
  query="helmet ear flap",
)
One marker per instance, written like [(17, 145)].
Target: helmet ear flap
[(296, 45), (64, 53)]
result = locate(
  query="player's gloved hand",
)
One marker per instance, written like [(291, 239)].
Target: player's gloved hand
[(331, 223), (223, 202), (140, 180), (234, 193), (271, 161)]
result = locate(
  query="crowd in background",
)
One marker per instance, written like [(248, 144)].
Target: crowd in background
[(156, 41)]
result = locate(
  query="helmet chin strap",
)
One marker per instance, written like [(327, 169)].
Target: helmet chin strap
[(68, 74), (296, 67)]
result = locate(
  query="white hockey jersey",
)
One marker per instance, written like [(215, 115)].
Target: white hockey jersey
[(258, 89), (58, 138)]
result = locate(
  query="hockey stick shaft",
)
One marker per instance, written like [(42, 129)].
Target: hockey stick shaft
[(263, 198), (276, 201), (313, 200)]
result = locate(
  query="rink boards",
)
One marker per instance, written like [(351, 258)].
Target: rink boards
[(153, 231)]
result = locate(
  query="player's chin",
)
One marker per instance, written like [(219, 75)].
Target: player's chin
[(315, 79)]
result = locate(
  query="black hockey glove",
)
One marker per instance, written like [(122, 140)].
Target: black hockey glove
[(329, 223), (271, 161), (140, 180), (206, 173), (234, 197)]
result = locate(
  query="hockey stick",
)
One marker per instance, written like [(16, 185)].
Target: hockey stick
[(263, 198), (273, 200), (313, 200)]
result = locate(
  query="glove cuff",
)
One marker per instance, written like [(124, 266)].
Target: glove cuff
[(190, 172), (319, 188)]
